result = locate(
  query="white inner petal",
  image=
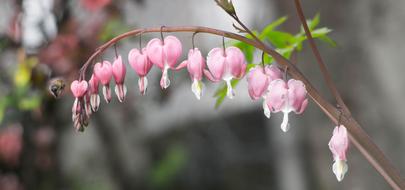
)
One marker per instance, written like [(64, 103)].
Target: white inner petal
[(266, 109), (340, 168), (197, 88)]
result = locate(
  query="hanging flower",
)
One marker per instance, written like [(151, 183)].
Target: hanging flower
[(79, 112), (338, 145), (141, 64), (93, 90), (195, 65), (103, 72), (226, 65), (119, 71), (164, 54), (258, 80), (286, 97)]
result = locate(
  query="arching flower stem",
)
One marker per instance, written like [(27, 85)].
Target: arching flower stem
[(358, 136)]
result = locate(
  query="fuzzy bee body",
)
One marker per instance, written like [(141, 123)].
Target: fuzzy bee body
[(56, 87)]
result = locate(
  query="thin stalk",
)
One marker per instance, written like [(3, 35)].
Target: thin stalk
[(390, 174), (358, 136)]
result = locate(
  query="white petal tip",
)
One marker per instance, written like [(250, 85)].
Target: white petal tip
[(197, 89), (340, 168)]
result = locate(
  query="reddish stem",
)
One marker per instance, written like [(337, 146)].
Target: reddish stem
[(358, 136)]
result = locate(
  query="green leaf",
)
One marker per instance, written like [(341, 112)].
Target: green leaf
[(280, 39), (312, 24), (328, 40), (320, 32), (272, 26)]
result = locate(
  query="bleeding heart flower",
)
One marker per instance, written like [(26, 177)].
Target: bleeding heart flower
[(225, 65), (259, 79), (195, 65), (338, 145), (93, 90), (164, 54), (103, 72), (286, 97), (79, 90), (141, 64), (119, 71)]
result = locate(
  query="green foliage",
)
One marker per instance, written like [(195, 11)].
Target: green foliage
[(166, 169), (283, 42), (113, 28), (21, 96)]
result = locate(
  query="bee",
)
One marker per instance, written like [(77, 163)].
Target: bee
[(56, 87)]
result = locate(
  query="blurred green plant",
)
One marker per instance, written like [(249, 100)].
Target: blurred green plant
[(112, 28), (166, 169), (21, 96), (284, 43)]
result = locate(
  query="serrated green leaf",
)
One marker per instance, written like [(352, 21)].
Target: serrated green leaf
[(272, 26)]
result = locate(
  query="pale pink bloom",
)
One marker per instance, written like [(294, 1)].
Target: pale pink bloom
[(286, 97), (164, 54), (141, 64), (195, 65), (259, 79), (94, 5), (338, 145), (79, 90), (225, 65), (93, 90), (119, 71), (103, 72), (11, 144)]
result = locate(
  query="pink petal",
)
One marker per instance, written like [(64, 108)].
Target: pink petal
[(103, 72), (297, 95), (276, 97), (93, 84), (79, 89), (235, 61), (273, 72), (216, 63), (172, 50), (258, 82), (154, 51), (119, 70), (196, 64), (139, 62), (339, 143)]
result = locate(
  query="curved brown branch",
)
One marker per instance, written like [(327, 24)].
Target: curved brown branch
[(357, 135), (390, 174)]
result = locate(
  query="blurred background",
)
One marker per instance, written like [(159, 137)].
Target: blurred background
[(168, 139)]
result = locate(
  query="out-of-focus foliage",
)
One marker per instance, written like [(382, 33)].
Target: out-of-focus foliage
[(283, 42), (21, 97), (164, 171)]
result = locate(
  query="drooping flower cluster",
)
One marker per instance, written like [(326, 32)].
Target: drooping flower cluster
[(223, 64), (279, 95), (338, 145)]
